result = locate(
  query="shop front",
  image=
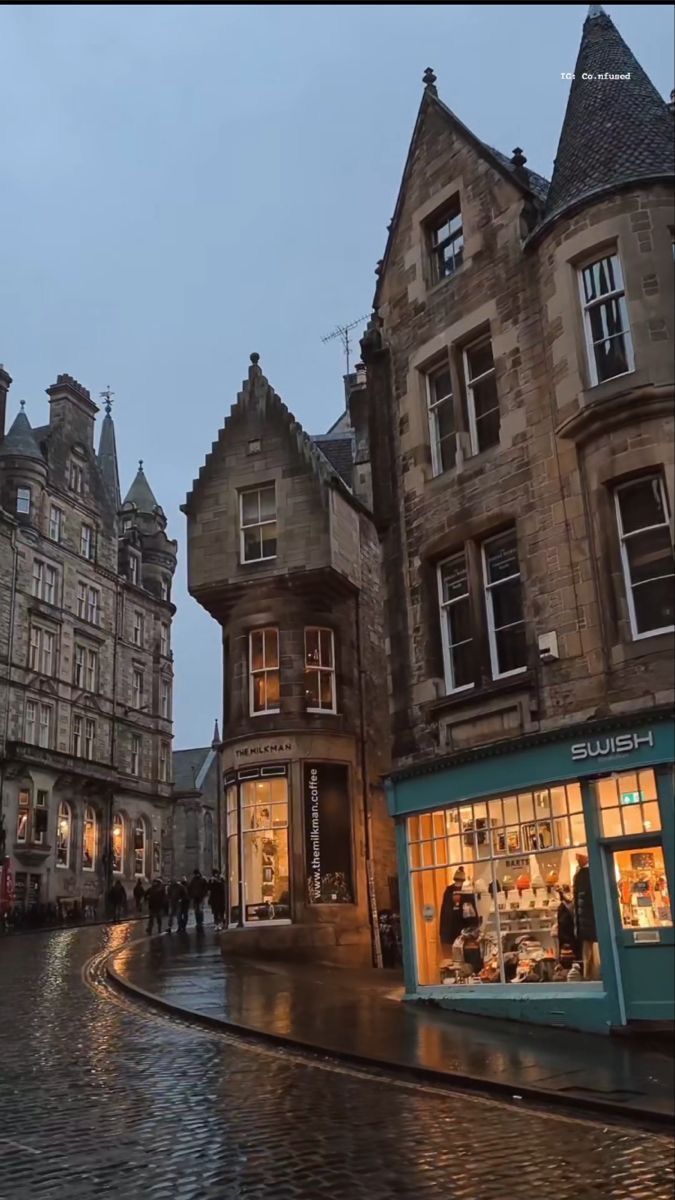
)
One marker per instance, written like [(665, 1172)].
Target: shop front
[(536, 878), (291, 840)]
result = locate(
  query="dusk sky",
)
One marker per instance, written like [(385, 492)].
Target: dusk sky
[(184, 185)]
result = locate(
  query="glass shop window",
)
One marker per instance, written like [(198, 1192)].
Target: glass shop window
[(642, 886), (501, 891), (628, 804)]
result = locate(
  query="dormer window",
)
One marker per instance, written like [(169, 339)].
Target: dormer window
[(446, 241), (76, 478), (258, 523), (23, 500)]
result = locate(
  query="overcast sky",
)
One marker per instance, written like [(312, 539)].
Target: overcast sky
[(183, 185)]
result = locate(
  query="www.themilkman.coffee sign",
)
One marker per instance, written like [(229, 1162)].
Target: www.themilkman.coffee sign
[(328, 834)]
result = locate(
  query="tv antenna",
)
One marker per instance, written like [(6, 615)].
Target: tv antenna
[(342, 332)]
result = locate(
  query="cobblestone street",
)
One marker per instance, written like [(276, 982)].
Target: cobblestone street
[(99, 1096)]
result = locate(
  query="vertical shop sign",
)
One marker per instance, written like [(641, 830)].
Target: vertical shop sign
[(328, 834)]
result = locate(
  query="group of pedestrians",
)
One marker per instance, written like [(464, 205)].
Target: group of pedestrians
[(179, 896)]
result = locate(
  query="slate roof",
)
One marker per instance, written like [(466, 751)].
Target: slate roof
[(187, 766), (19, 441), (615, 131), (140, 493), (339, 450)]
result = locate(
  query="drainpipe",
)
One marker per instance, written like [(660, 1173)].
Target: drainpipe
[(365, 795)]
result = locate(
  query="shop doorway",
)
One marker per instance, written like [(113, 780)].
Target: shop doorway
[(258, 864), (643, 921)]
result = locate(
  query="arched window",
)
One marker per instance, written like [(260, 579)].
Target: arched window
[(117, 844), (63, 832), (139, 847), (89, 833)]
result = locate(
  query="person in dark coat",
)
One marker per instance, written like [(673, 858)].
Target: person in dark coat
[(568, 947), (217, 899), (118, 900), (584, 919), (198, 890), (156, 897), (178, 898), (183, 905), (138, 894)]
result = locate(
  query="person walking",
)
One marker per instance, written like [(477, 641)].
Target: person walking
[(183, 905), (178, 897), (139, 894), (198, 890), (118, 900), (217, 899), (156, 897)]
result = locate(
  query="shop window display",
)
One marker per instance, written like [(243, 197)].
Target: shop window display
[(644, 902), (257, 843), (501, 891)]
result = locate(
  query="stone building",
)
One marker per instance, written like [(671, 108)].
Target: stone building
[(283, 553), (196, 785), (519, 410), (85, 658)]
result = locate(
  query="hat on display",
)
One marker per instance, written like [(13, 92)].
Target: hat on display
[(537, 882), (552, 878), (467, 886), (507, 882), (523, 882), (481, 886)]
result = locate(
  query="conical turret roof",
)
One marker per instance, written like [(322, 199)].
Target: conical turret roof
[(19, 441), (617, 128), (140, 493)]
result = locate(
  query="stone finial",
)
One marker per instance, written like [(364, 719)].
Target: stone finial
[(22, 404), (140, 464), (255, 359), (378, 268), (429, 78), (518, 158), (595, 10)]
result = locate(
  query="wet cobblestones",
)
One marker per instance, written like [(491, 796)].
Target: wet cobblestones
[(101, 1098)]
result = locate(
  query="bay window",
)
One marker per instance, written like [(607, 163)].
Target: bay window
[(646, 555), (320, 670), (609, 345), (263, 671)]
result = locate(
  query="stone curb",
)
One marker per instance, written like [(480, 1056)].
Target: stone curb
[(620, 1113)]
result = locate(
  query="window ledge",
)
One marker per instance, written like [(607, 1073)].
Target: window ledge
[(628, 651), (432, 288), (476, 695), (614, 403)]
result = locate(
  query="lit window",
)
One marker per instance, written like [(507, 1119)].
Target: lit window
[(646, 555), (481, 393), (263, 647), (55, 523), (89, 840), (319, 670), (608, 340), (139, 847), (446, 242), (76, 478), (137, 689), (456, 626), (138, 629), (117, 840), (441, 420), (63, 833), (87, 541), (23, 500), (22, 817), (258, 524), (135, 754), (504, 605)]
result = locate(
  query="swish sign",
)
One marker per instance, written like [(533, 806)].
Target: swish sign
[(605, 747)]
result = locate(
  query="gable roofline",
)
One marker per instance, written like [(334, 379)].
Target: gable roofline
[(257, 392), (499, 162)]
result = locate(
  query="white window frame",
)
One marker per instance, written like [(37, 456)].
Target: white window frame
[(94, 606), (137, 682), (65, 813), (46, 717), (434, 404), (89, 739), (164, 639), (139, 824), (55, 523), (488, 588), (133, 569), (76, 478), (91, 671), (165, 700), (79, 665), (45, 581), (264, 670), (619, 294), (24, 500), (319, 669), (136, 752), (42, 647), (165, 590), (82, 600), (138, 628), (87, 541), (625, 565), (77, 735), (470, 384), (256, 524), (89, 821), (443, 607), (31, 723), (445, 216), (164, 759)]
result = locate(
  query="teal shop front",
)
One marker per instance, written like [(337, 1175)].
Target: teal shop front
[(536, 877)]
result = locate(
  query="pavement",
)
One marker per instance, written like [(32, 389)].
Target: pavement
[(102, 1095), (358, 1016)]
